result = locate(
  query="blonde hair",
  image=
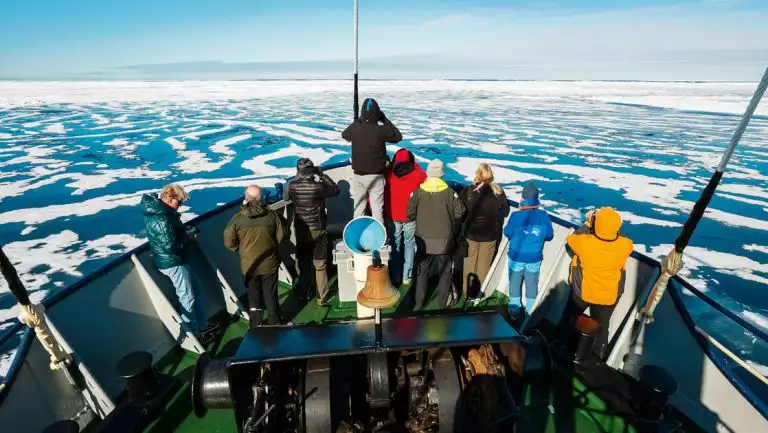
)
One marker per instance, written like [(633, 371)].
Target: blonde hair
[(174, 191), (484, 176)]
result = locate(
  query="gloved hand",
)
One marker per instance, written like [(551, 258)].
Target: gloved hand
[(588, 218)]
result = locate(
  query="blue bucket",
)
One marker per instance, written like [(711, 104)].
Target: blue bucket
[(364, 235)]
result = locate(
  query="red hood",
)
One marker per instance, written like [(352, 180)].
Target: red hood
[(404, 155), (399, 189)]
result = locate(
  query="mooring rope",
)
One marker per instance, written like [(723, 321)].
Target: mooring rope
[(672, 264), (33, 315), (744, 121)]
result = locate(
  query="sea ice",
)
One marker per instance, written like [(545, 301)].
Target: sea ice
[(56, 128)]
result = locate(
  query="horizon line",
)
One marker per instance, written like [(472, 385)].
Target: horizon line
[(170, 80)]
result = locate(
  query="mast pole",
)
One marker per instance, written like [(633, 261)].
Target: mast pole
[(355, 104), (672, 264), (12, 278)]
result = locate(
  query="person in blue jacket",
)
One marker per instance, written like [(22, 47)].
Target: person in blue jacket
[(527, 230)]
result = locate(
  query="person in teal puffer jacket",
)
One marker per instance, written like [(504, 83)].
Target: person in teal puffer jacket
[(169, 242)]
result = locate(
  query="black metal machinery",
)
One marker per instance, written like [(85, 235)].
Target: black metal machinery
[(425, 375), (414, 391), (453, 373)]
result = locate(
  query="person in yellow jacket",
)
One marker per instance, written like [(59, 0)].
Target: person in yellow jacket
[(597, 271)]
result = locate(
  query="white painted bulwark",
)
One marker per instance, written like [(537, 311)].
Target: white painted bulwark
[(165, 311)]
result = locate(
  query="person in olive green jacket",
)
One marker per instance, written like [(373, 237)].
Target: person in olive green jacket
[(436, 208), (169, 243), (255, 232)]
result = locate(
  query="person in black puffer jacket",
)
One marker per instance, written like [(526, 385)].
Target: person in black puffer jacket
[(308, 191), (369, 157), (487, 207)]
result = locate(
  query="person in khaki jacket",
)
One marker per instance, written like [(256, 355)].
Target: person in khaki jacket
[(255, 232), (436, 208)]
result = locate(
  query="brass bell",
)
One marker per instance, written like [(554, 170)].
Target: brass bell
[(378, 291)]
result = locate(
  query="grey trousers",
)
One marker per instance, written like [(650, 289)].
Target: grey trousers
[(369, 186)]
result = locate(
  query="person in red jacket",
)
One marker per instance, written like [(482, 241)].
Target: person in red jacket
[(403, 178)]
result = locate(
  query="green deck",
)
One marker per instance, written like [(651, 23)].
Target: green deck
[(582, 411), (311, 313), (564, 404), (178, 415)]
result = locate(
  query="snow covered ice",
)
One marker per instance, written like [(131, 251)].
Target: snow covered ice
[(75, 158)]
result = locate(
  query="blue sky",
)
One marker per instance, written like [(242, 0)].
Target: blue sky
[(548, 39)]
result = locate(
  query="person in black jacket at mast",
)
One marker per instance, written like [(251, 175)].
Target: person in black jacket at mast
[(308, 191), (369, 157)]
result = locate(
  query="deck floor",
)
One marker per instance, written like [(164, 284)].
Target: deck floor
[(304, 312), (564, 405), (179, 416)]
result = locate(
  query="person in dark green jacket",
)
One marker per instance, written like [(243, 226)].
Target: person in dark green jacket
[(256, 232), (169, 242)]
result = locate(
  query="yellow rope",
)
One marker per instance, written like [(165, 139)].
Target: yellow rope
[(33, 316)]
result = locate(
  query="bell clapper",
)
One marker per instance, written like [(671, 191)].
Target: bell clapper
[(377, 322), (378, 293)]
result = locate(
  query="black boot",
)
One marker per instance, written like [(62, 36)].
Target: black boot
[(254, 318), (599, 350)]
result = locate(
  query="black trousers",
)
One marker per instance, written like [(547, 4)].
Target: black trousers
[(601, 313), (262, 291), (431, 264)]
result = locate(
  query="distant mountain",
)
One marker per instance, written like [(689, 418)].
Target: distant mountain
[(422, 66), (706, 65)]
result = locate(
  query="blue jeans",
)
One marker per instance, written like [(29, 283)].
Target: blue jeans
[(405, 248), (517, 273), (189, 290)]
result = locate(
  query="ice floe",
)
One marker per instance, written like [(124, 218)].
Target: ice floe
[(194, 161), (27, 230), (631, 218), (93, 206), (726, 263), (102, 178), (222, 146), (56, 128), (757, 248), (645, 148), (258, 165), (702, 97)]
